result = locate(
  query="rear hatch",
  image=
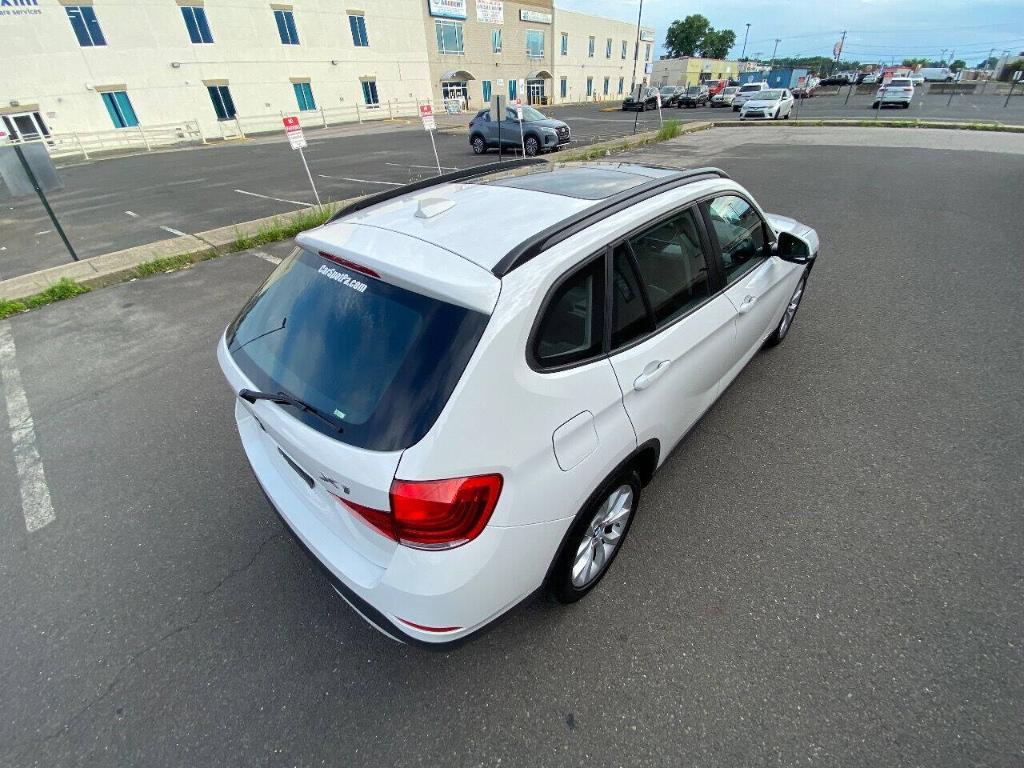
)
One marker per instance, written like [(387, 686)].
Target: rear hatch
[(372, 335)]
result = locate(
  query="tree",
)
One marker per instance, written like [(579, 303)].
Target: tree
[(684, 37), (716, 43), (915, 62), (989, 63), (958, 65)]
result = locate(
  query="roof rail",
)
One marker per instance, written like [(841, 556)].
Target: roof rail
[(445, 178), (556, 233)]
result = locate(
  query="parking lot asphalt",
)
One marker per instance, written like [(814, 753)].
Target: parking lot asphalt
[(117, 203), (827, 571)]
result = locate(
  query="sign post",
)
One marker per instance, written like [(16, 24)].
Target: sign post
[(519, 117), (293, 131), (430, 125), (1013, 84), (39, 176), (657, 95)]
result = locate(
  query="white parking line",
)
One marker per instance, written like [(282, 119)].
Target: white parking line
[(35, 494), (266, 257), (268, 197), (174, 231), (363, 181), (44, 232), (133, 214), (443, 167)]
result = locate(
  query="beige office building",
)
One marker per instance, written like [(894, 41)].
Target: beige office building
[(226, 66), (691, 70)]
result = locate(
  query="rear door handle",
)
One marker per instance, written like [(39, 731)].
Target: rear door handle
[(651, 372), (747, 304)]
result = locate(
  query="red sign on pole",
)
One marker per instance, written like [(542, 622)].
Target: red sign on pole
[(293, 131), (427, 116)]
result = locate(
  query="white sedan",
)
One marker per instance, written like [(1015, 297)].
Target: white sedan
[(769, 105)]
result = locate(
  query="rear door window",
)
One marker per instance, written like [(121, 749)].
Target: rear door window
[(631, 316), (381, 359), (673, 266)]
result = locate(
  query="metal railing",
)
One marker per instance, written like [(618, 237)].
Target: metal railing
[(245, 125), (139, 137)]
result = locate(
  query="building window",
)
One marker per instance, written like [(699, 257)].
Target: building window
[(370, 93), (196, 24), (608, 49), (86, 25), (512, 88), (486, 84), (590, 87), (590, 47), (222, 103), (647, 52), (607, 82), (357, 23), (625, 47), (120, 109), (286, 27), (496, 40), (565, 43), (449, 36), (563, 87), (304, 96), (620, 86), (455, 90), (534, 43)]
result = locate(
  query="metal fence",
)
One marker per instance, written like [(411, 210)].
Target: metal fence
[(140, 137)]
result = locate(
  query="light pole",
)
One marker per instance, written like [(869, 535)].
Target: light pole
[(774, 51), (745, 36), (942, 61), (636, 48)]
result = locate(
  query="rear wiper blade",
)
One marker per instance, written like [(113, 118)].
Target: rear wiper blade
[(251, 396)]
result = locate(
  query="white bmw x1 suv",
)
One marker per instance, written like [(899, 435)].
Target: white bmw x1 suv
[(454, 392)]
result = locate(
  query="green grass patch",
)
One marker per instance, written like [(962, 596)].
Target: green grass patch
[(62, 289), (669, 130), (277, 229)]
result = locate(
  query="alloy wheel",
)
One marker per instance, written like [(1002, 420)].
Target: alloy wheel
[(602, 537)]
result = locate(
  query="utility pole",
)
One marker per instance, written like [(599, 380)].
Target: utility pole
[(745, 36), (942, 61), (636, 48), (774, 51)]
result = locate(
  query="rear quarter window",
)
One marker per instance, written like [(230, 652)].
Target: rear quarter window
[(570, 328)]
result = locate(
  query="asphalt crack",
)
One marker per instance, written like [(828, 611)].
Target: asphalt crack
[(132, 658)]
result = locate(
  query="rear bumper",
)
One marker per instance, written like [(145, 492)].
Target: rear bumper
[(427, 598)]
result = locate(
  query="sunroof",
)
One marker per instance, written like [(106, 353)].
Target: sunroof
[(587, 183)]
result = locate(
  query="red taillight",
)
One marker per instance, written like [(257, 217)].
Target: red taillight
[(349, 264), (433, 514), (439, 514), (380, 520)]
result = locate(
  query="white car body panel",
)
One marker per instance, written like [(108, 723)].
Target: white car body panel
[(771, 108), (554, 436)]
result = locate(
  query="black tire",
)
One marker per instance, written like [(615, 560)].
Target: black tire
[(786, 323), (560, 583), (787, 116), (875, 105), (531, 146), (642, 108), (735, 109), (479, 145)]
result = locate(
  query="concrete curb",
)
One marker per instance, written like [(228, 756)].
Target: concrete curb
[(871, 123)]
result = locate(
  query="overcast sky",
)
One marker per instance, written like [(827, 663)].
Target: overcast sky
[(877, 29)]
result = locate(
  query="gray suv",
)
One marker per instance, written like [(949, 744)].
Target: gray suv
[(539, 133)]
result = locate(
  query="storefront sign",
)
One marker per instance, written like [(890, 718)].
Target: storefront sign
[(647, 36), (490, 11), (20, 8), (537, 17), (447, 9)]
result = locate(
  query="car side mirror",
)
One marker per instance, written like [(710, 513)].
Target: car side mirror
[(792, 248)]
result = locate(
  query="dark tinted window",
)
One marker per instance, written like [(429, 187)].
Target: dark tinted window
[(740, 233), (572, 327), (381, 359), (630, 319), (673, 266)]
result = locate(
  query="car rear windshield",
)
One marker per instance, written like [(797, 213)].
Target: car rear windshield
[(901, 83), (751, 87), (380, 359)]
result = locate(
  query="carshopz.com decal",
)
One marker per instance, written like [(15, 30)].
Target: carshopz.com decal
[(341, 277)]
